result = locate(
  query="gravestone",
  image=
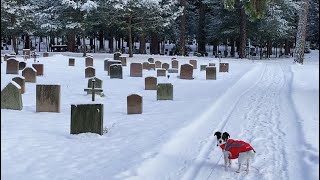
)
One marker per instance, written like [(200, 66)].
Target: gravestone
[(93, 90), (26, 53), (194, 63), (158, 64), (135, 70), (48, 98), (123, 60), (22, 65), (211, 73), (116, 56), (8, 56), (89, 61), (115, 71), (203, 67), (161, 72), (212, 64), (150, 60), (145, 65), (12, 66), (45, 54), (71, 61), (11, 97), (150, 83), (223, 67), (39, 69), (86, 118), (186, 71), (152, 66), (111, 62), (164, 91), (134, 104), (173, 70), (97, 84), (90, 72), (173, 58), (20, 80), (105, 64), (175, 64), (30, 74), (165, 66)]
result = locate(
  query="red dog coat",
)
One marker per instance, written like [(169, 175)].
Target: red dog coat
[(235, 147)]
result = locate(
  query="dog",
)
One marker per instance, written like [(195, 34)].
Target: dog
[(234, 149)]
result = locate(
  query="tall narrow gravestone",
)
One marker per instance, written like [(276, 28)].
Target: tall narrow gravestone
[(48, 98), (86, 118), (211, 73), (20, 80), (134, 104), (150, 83), (11, 97), (12, 66), (164, 91), (123, 60)]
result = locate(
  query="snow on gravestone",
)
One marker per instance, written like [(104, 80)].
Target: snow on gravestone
[(30, 74), (12, 66), (86, 118), (150, 83), (97, 84), (223, 67), (186, 71), (89, 61), (134, 104), (111, 62), (20, 80), (194, 63), (48, 98), (11, 97), (89, 72), (135, 70), (115, 71), (39, 68), (211, 73), (164, 91), (150, 60)]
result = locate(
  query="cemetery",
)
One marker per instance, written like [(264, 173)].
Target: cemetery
[(93, 94)]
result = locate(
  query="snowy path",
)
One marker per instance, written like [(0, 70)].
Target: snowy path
[(192, 153)]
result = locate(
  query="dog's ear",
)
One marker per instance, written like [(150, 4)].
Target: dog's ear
[(218, 133), (226, 135)]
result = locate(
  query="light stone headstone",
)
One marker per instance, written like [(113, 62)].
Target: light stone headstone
[(90, 72), (150, 83), (134, 104), (48, 98), (186, 71), (11, 97), (135, 70), (30, 74)]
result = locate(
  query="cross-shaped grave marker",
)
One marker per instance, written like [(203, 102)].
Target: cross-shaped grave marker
[(93, 90)]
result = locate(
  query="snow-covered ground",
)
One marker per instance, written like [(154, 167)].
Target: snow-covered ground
[(272, 104)]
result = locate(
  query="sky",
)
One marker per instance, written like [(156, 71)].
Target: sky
[(272, 104)]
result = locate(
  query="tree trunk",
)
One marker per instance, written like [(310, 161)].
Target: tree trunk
[(71, 38), (269, 48), (154, 47), (201, 29), (27, 42), (286, 47), (101, 44), (232, 53), (130, 36), (183, 28), (243, 34), (84, 47), (110, 40), (301, 33), (14, 44), (142, 47)]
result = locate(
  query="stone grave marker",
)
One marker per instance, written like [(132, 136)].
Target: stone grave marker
[(211, 73), (8, 56), (150, 60), (186, 71), (93, 90), (71, 61), (212, 64), (116, 56), (135, 70), (30, 74), (20, 80), (90, 72), (175, 64), (105, 64), (174, 70), (22, 65), (173, 58), (145, 65), (134, 104), (164, 91), (194, 63), (89, 61), (161, 72), (123, 60), (203, 67), (86, 118), (152, 66), (158, 64), (165, 66), (45, 54), (97, 84), (11, 97), (39, 68), (12, 66), (26, 53), (115, 71), (223, 67), (150, 83), (111, 62), (48, 98)]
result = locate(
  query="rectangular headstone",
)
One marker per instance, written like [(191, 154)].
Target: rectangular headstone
[(111, 62), (203, 67), (20, 80), (97, 84), (158, 64), (71, 61), (11, 97), (223, 67), (161, 72), (194, 63), (123, 60), (135, 70), (86, 118), (45, 54), (145, 65), (164, 91), (48, 98), (89, 61), (39, 68), (173, 71), (134, 104), (30, 74), (116, 56), (211, 73), (12, 66), (115, 71), (89, 72), (186, 71), (150, 83), (175, 64)]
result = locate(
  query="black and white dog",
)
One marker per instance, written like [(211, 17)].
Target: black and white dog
[(233, 149)]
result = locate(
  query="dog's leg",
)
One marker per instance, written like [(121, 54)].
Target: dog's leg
[(226, 160), (229, 162), (247, 165)]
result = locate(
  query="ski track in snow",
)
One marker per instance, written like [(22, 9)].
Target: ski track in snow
[(256, 122)]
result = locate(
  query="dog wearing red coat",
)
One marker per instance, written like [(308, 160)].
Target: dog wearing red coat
[(234, 149)]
